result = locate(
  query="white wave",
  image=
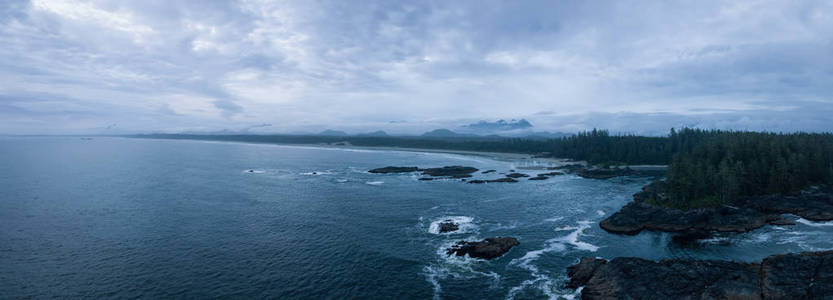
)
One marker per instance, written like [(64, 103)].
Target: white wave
[(375, 182), (554, 219), (464, 223), (600, 213), (342, 180), (814, 224), (253, 171), (714, 240), (572, 238), (565, 228), (540, 279), (459, 267)]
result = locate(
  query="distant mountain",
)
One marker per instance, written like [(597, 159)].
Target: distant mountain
[(330, 132), (499, 125), (375, 133), (445, 133)]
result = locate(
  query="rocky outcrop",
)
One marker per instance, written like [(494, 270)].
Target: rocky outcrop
[(392, 169), (751, 213), (637, 216), (505, 179), (516, 175), (792, 276), (489, 171), (448, 226), (539, 178), (449, 171), (814, 203), (798, 276), (488, 248), (551, 174)]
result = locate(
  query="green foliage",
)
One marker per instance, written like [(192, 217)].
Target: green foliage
[(719, 167)]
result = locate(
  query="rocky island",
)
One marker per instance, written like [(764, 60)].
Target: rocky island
[(488, 248)]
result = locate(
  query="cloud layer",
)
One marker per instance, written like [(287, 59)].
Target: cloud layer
[(143, 66)]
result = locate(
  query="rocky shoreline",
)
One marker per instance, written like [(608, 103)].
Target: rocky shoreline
[(815, 203), (806, 275)]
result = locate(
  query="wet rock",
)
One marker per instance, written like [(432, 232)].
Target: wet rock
[(751, 213), (448, 226), (806, 275), (458, 176), (516, 175), (505, 179), (489, 171), (426, 178), (636, 278), (392, 169), (539, 178), (488, 248), (551, 174), (637, 216), (814, 203), (477, 181), (449, 171)]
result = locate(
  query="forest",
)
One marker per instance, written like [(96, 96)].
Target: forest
[(707, 168)]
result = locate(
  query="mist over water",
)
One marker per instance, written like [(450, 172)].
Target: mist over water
[(115, 217)]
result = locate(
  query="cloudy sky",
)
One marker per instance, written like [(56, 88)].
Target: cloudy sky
[(407, 67)]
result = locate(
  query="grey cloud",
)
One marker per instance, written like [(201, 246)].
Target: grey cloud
[(304, 66)]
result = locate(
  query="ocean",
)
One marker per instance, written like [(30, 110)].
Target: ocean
[(112, 217)]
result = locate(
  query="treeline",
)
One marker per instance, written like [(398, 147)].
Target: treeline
[(707, 167), (595, 147), (712, 167)]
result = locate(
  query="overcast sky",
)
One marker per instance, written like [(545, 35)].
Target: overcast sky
[(407, 67)]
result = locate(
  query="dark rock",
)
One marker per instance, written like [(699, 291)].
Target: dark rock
[(458, 176), (551, 174), (582, 272), (426, 178), (448, 226), (814, 203), (806, 275), (637, 216), (539, 178), (516, 175), (477, 181), (782, 221), (251, 171), (505, 179), (488, 248), (655, 191), (751, 213), (489, 171), (449, 171), (636, 278), (605, 173), (392, 169)]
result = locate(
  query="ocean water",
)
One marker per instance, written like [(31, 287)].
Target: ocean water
[(140, 218)]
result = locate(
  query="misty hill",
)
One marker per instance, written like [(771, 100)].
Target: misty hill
[(330, 132), (444, 133), (499, 125), (375, 133)]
